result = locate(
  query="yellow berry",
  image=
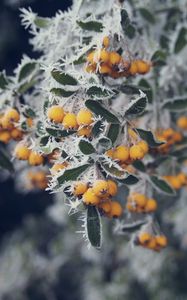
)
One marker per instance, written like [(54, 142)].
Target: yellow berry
[(112, 188), (152, 244), (143, 66), (91, 68), (136, 152), (6, 124), (114, 58), (151, 205), (84, 131), (121, 153), (182, 122), (175, 182), (144, 238), (58, 167), (104, 56), (100, 188), (139, 199), (22, 152), (133, 70), (104, 69), (90, 57), (70, 121), (56, 114), (89, 197), (105, 206), (84, 117), (116, 210), (110, 153), (106, 41), (35, 159), (16, 134), (161, 240), (144, 146), (80, 188), (5, 136), (182, 177), (12, 115)]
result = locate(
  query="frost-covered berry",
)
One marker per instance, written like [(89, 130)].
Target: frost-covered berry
[(121, 153), (84, 117), (144, 146), (112, 188), (56, 114), (90, 198), (105, 206), (58, 167), (80, 188), (70, 121), (35, 159), (116, 210), (136, 152), (133, 70), (22, 152), (100, 188), (12, 115), (114, 58), (106, 42), (84, 131)]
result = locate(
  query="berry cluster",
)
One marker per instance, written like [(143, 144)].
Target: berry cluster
[(111, 63), (170, 137), (177, 181), (139, 203), (153, 242)]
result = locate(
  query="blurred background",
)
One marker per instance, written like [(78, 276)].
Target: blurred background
[(41, 256)]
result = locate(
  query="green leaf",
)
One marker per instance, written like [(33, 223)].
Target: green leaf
[(40, 128), (181, 40), (113, 132), (130, 180), (137, 106), (59, 133), (147, 15), (63, 78), (104, 144), (80, 60), (139, 165), (93, 227), (161, 185), (134, 226), (3, 80), (41, 22), (112, 170), (26, 70), (29, 112), (72, 174), (23, 88), (126, 25), (176, 104), (148, 137), (5, 162), (99, 110), (97, 128), (91, 25), (86, 147), (61, 92), (96, 92), (159, 58), (147, 89), (181, 152)]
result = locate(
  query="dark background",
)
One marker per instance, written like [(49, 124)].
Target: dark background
[(14, 41)]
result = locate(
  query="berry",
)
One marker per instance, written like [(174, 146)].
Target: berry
[(56, 114), (121, 153), (104, 69), (58, 167), (12, 115), (133, 70), (144, 238), (100, 188), (16, 134), (116, 209), (70, 121), (151, 205), (182, 122), (152, 244), (144, 146), (105, 206), (112, 188), (114, 58), (136, 152), (89, 197), (22, 152), (143, 66), (84, 131), (35, 159), (80, 188), (139, 199), (5, 136), (110, 153), (161, 240), (104, 56), (106, 42), (84, 117)]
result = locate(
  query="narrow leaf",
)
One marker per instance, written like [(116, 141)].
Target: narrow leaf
[(93, 227), (26, 70), (176, 104), (72, 174), (61, 92), (113, 132), (86, 147), (161, 185), (91, 26), (63, 78), (148, 137)]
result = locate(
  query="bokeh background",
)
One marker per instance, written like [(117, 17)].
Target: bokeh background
[(41, 256)]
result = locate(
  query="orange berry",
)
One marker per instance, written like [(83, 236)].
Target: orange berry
[(104, 69), (91, 68), (112, 188), (144, 146), (114, 58), (175, 182), (84, 117), (56, 114), (136, 152), (29, 122), (151, 205), (100, 188), (35, 159), (84, 131), (12, 115), (121, 153), (133, 70), (106, 41), (143, 66), (152, 244), (116, 210), (182, 122), (16, 134), (110, 153), (161, 240), (58, 167), (22, 152), (182, 178), (105, 206), (5, 136), (80, 188), (104, 56), (139, 199), (144, 238), (90, 198), (70, 121)]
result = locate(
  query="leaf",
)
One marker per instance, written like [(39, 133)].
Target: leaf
[(59, 133), (126, 25), (40, 128), (159, 58), (130, 180), (104, 144), (137, 106), (5, 163), (86, 147), (96, 92), (23, 88), (97, 128), (93, 227), (61, 92), (181, 40), (72, 174), (29, 112), (148, 137), (91, 25), (132, 227), (3, 80), (139, 165), (99, 110), (147, 15), (80, 60), (113, 132), (41, 22), (181, 152), (161, 185), (176, 104), (63, 78), (26, 70), (112, 170), (147, 89)]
